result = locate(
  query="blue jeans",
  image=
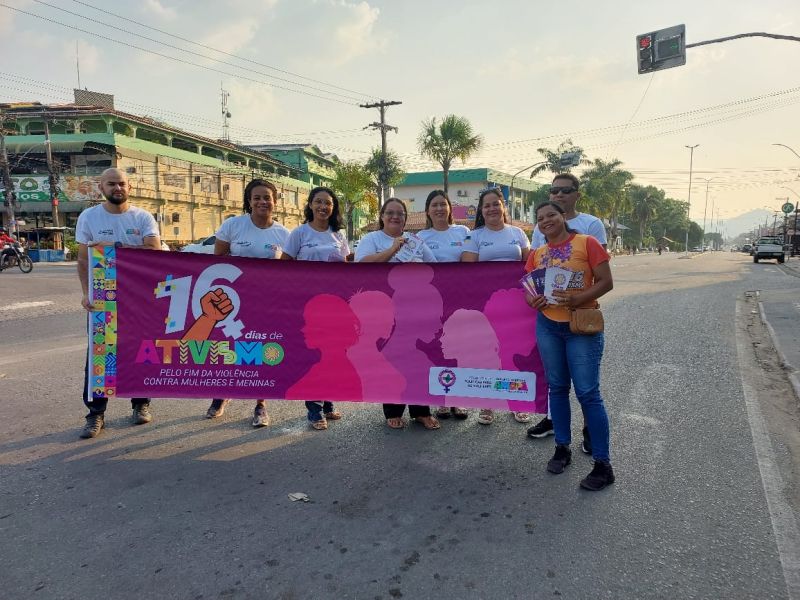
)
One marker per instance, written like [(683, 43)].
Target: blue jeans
[(574, 358), (315, 410)]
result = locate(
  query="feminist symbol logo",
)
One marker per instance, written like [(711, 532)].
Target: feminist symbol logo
[(447, 378)]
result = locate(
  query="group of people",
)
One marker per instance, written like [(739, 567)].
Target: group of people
[(563, 237)]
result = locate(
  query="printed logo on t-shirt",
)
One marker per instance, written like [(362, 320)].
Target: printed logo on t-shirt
[(269, 246), (455, 244), (133, 231), (243, 243), (106, 232)]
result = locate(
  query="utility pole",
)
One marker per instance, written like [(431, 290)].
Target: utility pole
[(689, 202), (224, 95), (383, 128), (53, 179), (8, 184)]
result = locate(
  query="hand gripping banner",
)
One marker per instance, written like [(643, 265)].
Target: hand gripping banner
[(179, 325)]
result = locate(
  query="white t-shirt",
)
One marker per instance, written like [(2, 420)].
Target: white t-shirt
[(306, 243), (377, 241), (96, 224), (489, 245), (447, 245), (583, 223), (248, 240)]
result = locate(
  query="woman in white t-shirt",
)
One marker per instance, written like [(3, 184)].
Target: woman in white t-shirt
[(446, 241), (319, 238), (493, 239), (257, 235), (391, 244)]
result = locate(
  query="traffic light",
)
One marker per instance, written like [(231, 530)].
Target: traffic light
[(662, 49)]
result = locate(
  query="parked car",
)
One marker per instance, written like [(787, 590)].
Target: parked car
[(204, 246), (747, 248)]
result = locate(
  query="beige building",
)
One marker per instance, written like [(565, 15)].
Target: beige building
[(189, 183)]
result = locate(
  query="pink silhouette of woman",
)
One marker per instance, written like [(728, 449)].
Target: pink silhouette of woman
[(515, 327), (379, 378), (332, 328), (418, 317)]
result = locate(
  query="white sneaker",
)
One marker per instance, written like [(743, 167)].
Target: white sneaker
[(486, 416)]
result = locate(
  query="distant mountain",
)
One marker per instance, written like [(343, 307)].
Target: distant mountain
[(746, 222)]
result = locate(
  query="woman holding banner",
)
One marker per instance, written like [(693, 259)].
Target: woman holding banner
[(319, 238), (446, 240), (572, 358), (493, 239), (391, 244), (257, 235)]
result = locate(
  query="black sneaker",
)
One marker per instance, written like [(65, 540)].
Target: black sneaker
[(141, 414), (542, 429), (602, 475), (560, 460), (217, 408), (95, 423), (586, 445)]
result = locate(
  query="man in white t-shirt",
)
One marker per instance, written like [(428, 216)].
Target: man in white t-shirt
[(114, 222), (564, 191)]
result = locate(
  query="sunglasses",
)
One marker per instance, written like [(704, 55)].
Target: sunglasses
[(554, 191)]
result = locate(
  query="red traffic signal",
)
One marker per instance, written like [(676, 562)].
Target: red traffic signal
[(644, 42)]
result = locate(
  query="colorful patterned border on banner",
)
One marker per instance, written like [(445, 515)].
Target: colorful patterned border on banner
[(103, 334)]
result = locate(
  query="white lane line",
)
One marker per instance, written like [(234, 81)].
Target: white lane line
[(21, 305), (784, 524)]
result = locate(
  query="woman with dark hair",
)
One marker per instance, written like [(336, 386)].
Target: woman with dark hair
[(493, 239), (319, 238), (385, 244), (446, 241), (572, 359), (257, 235), (391, 244)]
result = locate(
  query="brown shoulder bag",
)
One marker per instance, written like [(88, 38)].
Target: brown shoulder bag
[(586, 321)]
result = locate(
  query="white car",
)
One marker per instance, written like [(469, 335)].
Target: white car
[(205, 246)]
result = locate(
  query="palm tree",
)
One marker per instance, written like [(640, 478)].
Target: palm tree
[(558, 160), (606, 185), (644, 205), (352, 181), (446, 141)]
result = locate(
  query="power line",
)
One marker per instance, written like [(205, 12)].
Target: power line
[(230, 64), (242, 58), (174, 58)]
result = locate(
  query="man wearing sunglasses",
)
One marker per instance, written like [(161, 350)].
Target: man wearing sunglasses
[(564, 192)]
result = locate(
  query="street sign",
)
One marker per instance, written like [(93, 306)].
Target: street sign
[(787, 208), (662, 49)]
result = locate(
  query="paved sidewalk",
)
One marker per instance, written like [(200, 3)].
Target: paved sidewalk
[(780, 311)]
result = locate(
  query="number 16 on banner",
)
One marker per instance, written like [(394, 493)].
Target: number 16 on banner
[(180, 290)]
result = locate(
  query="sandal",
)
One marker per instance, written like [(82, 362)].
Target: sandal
[(334, 415), (460, 413), (428, 422), (486, 416), (522, 417), (395, 423), (443, 412), (319, 425)]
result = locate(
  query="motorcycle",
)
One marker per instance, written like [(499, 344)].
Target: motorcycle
[(13, 255)]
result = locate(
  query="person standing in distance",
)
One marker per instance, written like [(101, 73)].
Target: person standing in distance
[(257, 235), (564, 191), (114, 222)]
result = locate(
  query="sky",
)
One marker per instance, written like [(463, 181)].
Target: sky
[(527, 74)]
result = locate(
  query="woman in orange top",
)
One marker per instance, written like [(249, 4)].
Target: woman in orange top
[(571, 358)]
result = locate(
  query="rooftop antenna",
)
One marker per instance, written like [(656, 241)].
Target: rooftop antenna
[(225, 114), (78, 63)]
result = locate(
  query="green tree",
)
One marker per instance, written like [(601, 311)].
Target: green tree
[(644, 202), (554, 160), (605, 185), (352, 182), (392, 169), (447, 141)]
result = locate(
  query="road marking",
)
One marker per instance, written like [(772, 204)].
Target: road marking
[(784, 524), (21, 305)]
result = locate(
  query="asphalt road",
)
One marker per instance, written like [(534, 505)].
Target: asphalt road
[(198, 509)]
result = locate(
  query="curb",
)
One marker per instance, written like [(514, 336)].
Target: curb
[(791, 370)]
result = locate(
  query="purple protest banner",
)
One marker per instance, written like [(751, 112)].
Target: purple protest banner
[(200, 326)]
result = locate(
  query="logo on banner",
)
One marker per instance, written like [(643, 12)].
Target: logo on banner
[(447, 378)]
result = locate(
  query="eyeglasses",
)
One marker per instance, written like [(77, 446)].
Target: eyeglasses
[(391, 214), (555, 190)]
